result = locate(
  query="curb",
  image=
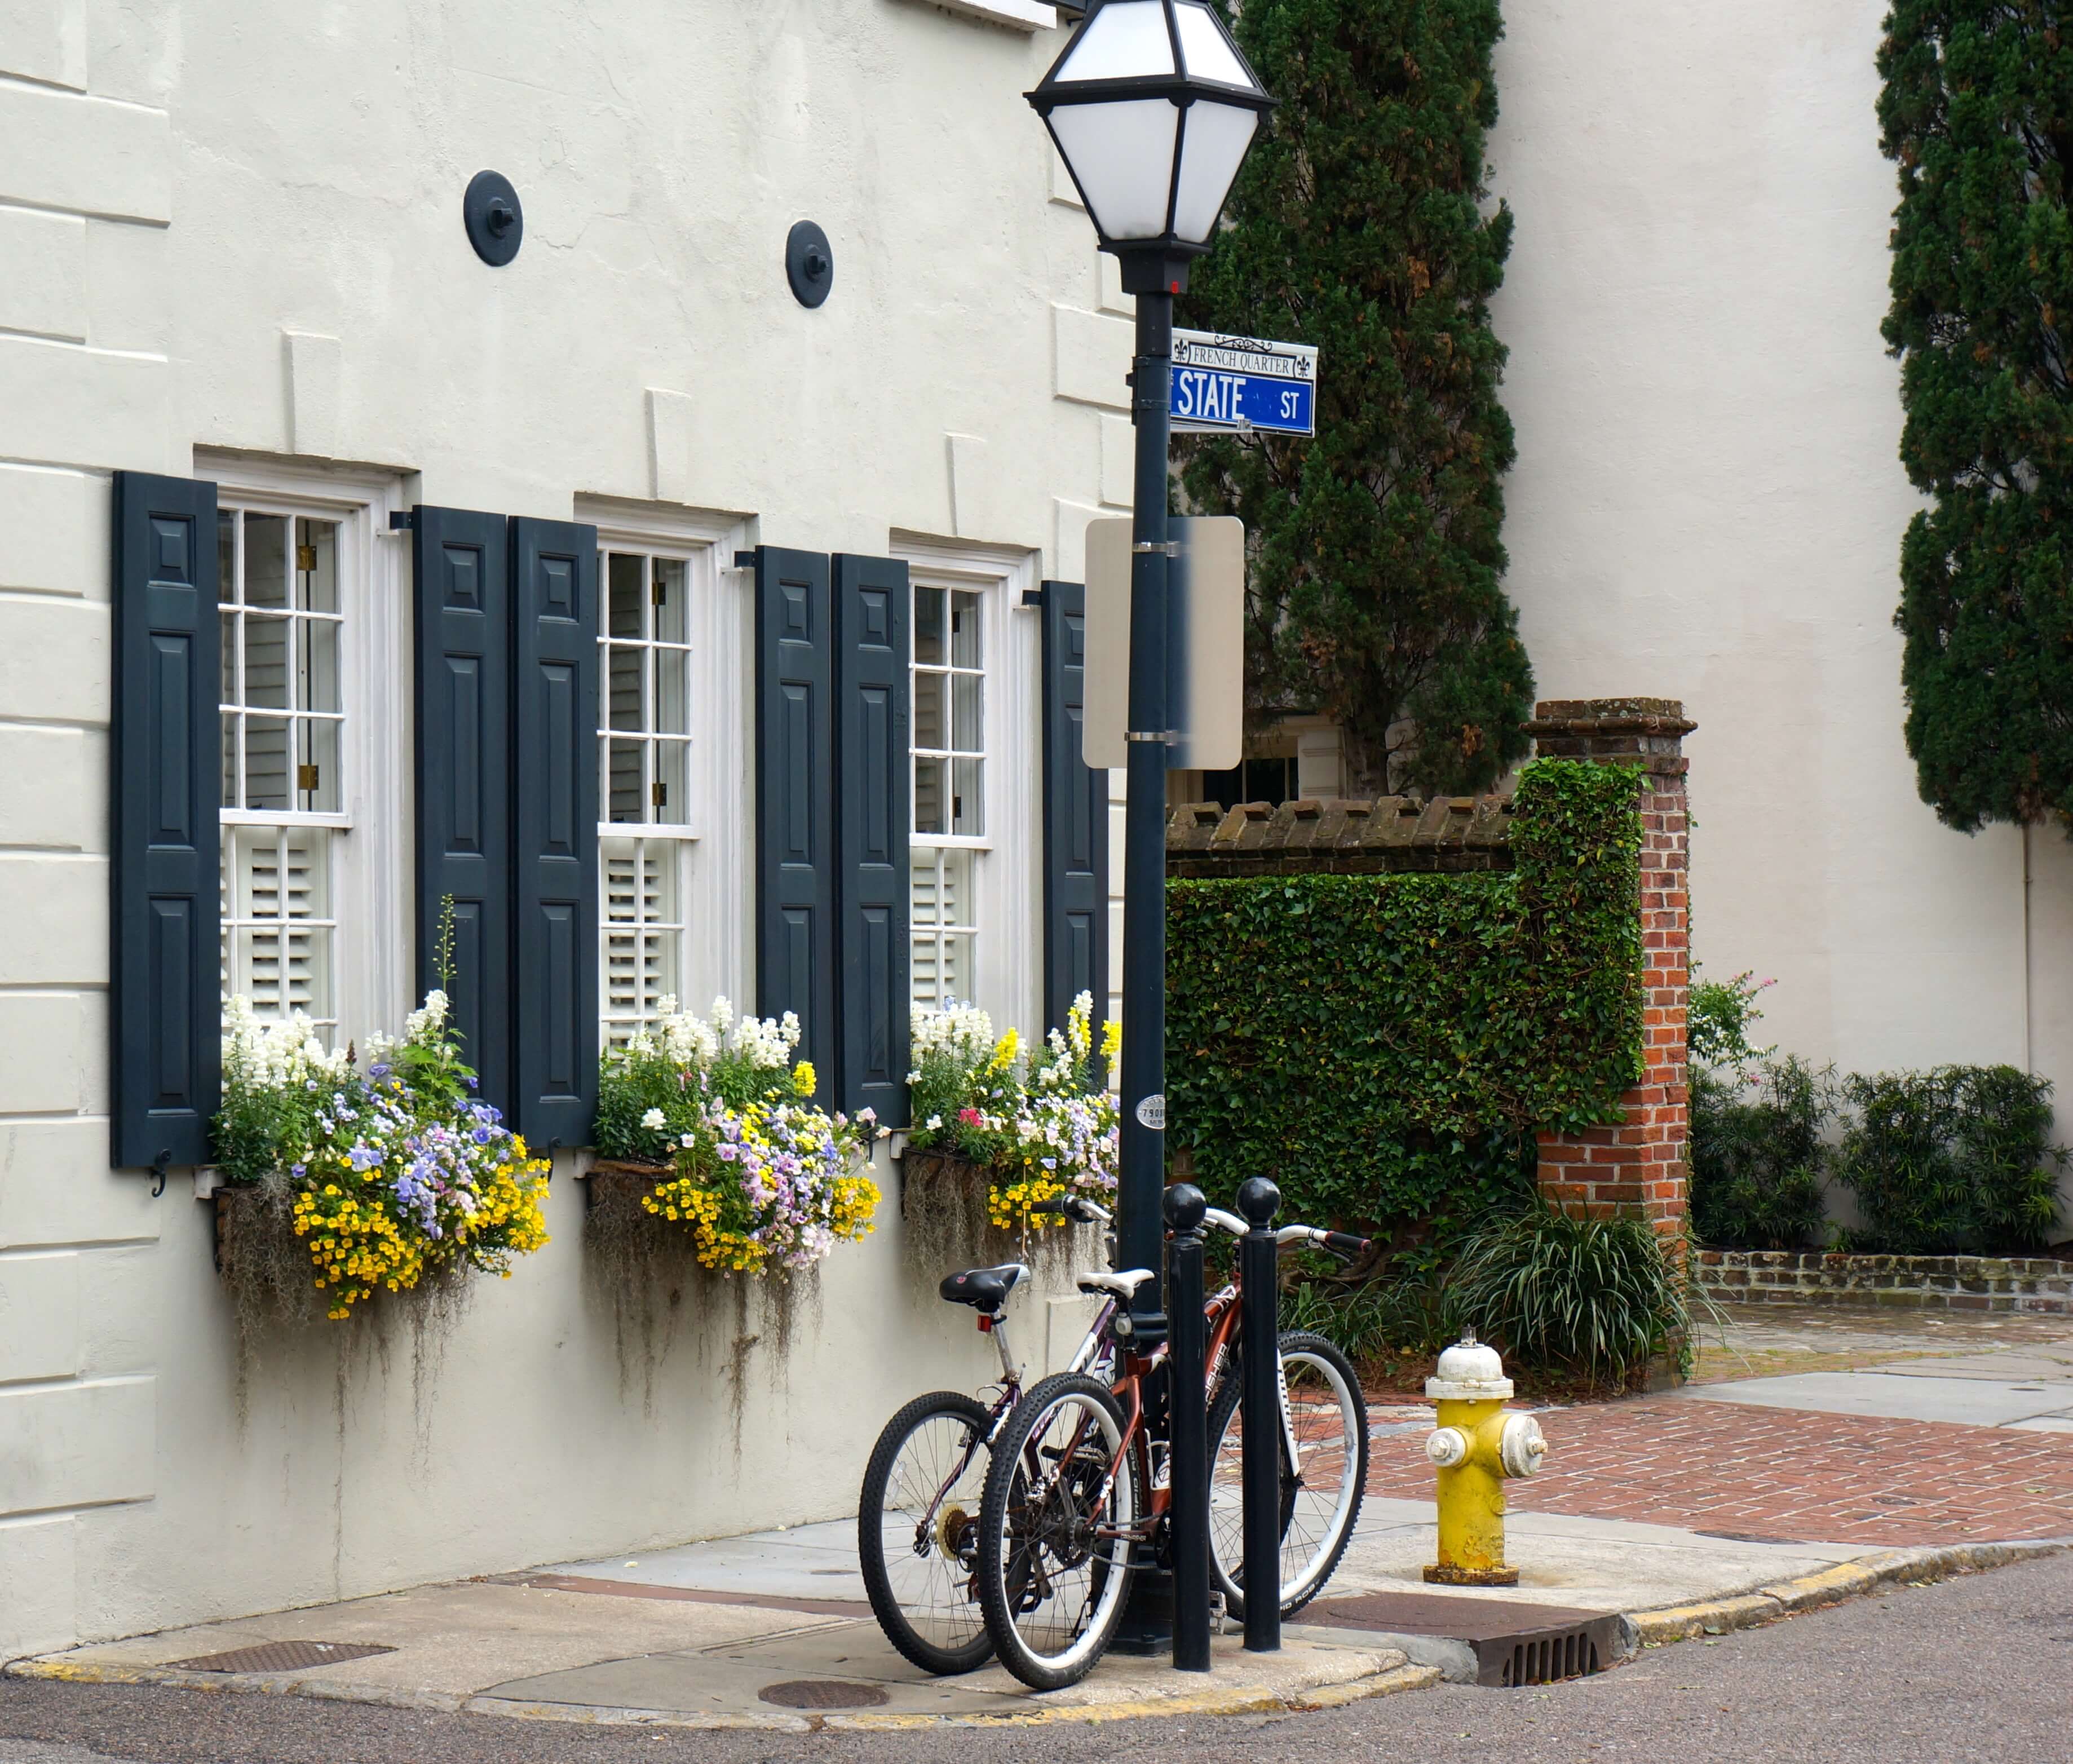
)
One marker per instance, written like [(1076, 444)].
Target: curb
[(1236, 1700), (1811, 1592)]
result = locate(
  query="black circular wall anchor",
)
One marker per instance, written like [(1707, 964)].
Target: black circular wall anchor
[(495, 223), (809, 264)]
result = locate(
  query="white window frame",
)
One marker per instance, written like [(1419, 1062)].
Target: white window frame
[(1006, 885), (713, 876), (373, 944)]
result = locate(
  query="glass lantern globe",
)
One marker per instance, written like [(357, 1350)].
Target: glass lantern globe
[(1152, 108)]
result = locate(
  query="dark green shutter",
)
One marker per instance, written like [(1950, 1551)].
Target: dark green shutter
[(795, 855), (1075, 818), (553, 777), (463, 781), (165, 1005), (873, 608)]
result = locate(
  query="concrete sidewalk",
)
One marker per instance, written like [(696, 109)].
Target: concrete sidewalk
[(1728, 1504)]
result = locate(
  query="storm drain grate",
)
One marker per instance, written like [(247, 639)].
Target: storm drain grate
[(1515, 1642), (283, 1656), (1546, 1659), (822, 1693)]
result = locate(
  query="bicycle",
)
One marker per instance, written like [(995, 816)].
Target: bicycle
[(919, 1518)]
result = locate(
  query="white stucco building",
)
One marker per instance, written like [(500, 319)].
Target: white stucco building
[(232, 253)]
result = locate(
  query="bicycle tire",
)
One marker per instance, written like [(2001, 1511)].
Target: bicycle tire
[(903, 1612), (1008, 1564), (1225, 1539)]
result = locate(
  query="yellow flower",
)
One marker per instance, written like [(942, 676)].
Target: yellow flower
[(802, 1077), (1004, 1051), (1111, 1039)]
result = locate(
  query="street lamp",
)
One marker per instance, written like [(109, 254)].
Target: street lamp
[(1152, 109)]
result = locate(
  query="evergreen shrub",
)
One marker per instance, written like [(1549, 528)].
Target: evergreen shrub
[(1759, 1157), (1385, 1047), (1956, 1160)]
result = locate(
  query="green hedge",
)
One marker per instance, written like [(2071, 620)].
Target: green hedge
[(1385, 1047)]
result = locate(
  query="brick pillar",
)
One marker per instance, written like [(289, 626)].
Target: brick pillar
[(1639, 1166)]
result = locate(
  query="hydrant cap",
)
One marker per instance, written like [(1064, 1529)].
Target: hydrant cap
[(1469, 1372)]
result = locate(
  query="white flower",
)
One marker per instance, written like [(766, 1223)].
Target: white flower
[(935, 1122), (652, 1120)]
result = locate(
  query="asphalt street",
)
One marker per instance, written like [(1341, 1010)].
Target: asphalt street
[(1978, 1668)]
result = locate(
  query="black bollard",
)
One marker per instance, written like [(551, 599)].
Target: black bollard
[(1188, 1413), (1258, 1200)]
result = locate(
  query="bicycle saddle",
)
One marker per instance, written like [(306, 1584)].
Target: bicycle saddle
[(1122, 1284), (983, 1289)]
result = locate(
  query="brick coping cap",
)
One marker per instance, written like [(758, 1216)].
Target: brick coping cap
[(1610, 716)]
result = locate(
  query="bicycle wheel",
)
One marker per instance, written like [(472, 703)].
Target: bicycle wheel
[(1320, 1494), (1053, 1570), (917, 1530)]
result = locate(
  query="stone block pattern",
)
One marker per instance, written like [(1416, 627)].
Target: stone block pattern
[(1456, 836), (1639, 1167), (1948, 1282)]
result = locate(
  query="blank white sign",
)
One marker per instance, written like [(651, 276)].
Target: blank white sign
[(1205, 643)]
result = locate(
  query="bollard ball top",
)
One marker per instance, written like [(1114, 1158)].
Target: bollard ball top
[(1185, 1206), (1258, 1200)]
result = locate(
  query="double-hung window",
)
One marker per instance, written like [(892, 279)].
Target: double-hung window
[(949, 711), (648, 779), (973, 862), (310, 882)]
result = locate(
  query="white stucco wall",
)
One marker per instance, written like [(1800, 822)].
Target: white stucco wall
[(232, 232), (1709, 505)]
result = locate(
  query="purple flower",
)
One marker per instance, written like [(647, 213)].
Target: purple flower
[(474, 1083), (377, 1071), (482, 1135), (363, 1156)]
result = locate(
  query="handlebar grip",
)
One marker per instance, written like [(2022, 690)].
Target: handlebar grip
[(1345, 1243), (1055, 1204)]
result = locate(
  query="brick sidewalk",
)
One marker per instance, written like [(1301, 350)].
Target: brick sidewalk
[(1784, 1473)]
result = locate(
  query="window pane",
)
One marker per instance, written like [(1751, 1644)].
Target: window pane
[(229, 798), (955, 976), (673, 621), (967, 798), (928, 794), (316, 665), (226, 555), (317, 782), (964, 630), (622, 792), (967, 734), (929, 625), (266, 761), (227, 685), (622, 687), (673, 777), (267, 661), (623, 586), (267, 560), (316, 566), (279, 935), (929, 730), (673, 690)]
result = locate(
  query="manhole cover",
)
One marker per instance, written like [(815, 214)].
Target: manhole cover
[(282, 1656), (818, 1693)]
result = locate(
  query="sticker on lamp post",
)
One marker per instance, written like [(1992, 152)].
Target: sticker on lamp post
[(1152, 1112), (1223, 385)]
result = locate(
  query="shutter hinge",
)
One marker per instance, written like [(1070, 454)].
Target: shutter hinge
[(306, 777), (402, 520), (659, 794), (1032, 597), (744, 560)]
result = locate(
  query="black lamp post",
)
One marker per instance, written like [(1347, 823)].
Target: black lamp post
[(1152, 108)]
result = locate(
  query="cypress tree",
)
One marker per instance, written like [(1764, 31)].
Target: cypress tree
[(1977, 110), (1375, 591)]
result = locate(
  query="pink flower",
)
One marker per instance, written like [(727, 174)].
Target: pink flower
[(969, 1117)]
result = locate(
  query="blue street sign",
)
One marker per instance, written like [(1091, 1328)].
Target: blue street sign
[(1222, 385)]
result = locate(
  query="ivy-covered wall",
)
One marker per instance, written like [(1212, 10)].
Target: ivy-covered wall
[(1385, 1046)]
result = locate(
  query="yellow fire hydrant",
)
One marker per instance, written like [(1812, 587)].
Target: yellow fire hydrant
[(1476, 1447)]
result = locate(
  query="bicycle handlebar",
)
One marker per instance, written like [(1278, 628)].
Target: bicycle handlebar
[(1343, 1244)]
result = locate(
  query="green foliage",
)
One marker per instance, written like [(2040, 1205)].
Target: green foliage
[(1370, 1321), (666, 1082), (1560, 1293), (1977, 110), (1759, 1158), (1719, 1018), (1955, 1160), (1357, 225), (1386, 1046)]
